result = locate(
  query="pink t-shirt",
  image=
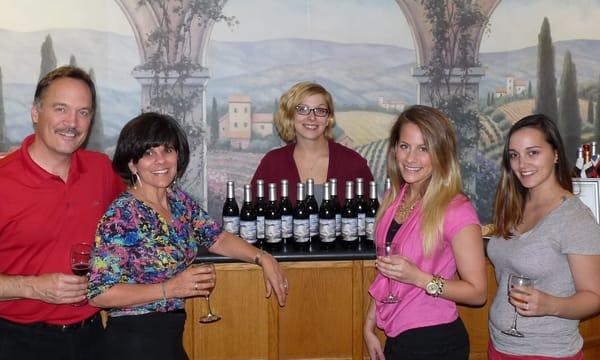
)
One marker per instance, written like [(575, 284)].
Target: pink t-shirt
[(416, 308)]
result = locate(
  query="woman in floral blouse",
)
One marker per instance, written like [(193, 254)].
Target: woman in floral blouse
[(147, 240)]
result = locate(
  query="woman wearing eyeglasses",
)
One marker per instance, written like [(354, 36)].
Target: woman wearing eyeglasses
[(305, 120)]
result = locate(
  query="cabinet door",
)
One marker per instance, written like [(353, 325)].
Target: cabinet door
[(242, 332), (323, 316)]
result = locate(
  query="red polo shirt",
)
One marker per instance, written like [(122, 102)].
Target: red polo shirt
[(41, 216)]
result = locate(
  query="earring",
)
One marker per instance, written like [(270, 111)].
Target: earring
[(174, 183), (135, 178)]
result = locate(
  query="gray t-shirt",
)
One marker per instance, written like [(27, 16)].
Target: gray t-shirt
[(541, 254)]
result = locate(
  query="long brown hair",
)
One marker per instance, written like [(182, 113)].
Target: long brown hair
[(445, 182), (510, 193)]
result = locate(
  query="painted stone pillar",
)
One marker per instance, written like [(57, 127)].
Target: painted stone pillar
[(194, 124)]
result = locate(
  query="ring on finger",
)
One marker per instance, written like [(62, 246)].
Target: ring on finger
[(526, 306), (196, 286)]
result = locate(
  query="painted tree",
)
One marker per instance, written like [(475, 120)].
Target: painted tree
[(3, 137), (72, 60), (48, 57), (214, 123), (545, 101), (590, 110), (95, 139), (569, 123), (597, 122), (171, 64), (529, 90), (453, 56)]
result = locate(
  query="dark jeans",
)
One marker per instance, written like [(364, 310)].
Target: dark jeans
[(447, 341), (35, 342), (149, 336)]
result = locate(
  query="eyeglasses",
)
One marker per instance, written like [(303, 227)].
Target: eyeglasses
[(305, 110)]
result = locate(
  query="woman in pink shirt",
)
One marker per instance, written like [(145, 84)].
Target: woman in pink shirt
[(442, 262)]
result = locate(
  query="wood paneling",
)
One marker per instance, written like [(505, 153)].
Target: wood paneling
[(323, 318)]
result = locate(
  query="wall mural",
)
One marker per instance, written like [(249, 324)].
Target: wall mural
[(220, 68)]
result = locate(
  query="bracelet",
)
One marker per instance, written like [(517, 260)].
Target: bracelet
[(164, 292), (258, 255)]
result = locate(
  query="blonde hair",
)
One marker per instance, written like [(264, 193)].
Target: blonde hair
[(284, 118), (445, 182)]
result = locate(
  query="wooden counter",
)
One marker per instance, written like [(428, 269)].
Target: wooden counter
[(323, 318)]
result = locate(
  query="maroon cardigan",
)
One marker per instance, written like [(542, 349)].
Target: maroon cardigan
[(344, 164)]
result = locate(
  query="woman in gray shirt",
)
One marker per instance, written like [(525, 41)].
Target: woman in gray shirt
[(543, 232)]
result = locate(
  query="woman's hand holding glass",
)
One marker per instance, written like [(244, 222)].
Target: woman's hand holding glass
[(193, 281), (518, 296)]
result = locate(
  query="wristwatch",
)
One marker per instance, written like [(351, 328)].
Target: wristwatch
[(435, 287)]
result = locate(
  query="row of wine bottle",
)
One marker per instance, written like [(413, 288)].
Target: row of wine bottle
[(587, 164), (274, 221)]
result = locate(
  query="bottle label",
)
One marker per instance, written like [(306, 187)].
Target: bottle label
[(313, 219), (361, 224), (301, 230), (370, 228), (273, 231), (287, 226), (349, 229), (248, 231), (231, 224), (260, 227), (338, 224), (327, 230)]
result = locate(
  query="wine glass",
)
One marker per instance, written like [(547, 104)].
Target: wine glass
[(210, 316), (387, 250), (80, 262), (516, 280)]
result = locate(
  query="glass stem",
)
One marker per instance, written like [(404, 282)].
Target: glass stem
[(208, 305), (514, 324)]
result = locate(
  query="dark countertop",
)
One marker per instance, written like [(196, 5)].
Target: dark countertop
[(315, 252)]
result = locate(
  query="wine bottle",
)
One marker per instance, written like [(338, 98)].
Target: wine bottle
[(301, 219), (327, 219), (261, 209), (576, 173), (359, 204), (313, 210), (337, 208), (349, 219), (371, 210), (588, 170), (285, 206), (248, 217), (231, 211), (273, 221)]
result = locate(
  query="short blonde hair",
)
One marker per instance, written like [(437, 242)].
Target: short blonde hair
[(284, 118)]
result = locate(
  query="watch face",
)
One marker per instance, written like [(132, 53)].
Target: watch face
[(432, 287)]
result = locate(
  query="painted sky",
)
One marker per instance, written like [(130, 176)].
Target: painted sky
[(514, 24)]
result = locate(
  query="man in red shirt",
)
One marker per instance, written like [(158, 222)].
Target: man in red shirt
[(52, 194)]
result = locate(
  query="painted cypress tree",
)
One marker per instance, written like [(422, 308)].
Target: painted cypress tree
[(48, 57), (597, 122), (3, 137), (529, 90), (590, 110), (569, 123), (545, 101), (72, 60), (214, 122), (95, 139)]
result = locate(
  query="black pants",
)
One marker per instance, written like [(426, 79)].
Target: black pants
[(447, 341), (150, 336), (31, 342)]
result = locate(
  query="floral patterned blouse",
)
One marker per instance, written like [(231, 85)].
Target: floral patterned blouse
[(136, 245)]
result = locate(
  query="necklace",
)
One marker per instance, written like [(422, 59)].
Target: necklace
[(404, 210)]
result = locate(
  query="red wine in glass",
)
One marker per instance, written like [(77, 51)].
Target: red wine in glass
[(80, 262)]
